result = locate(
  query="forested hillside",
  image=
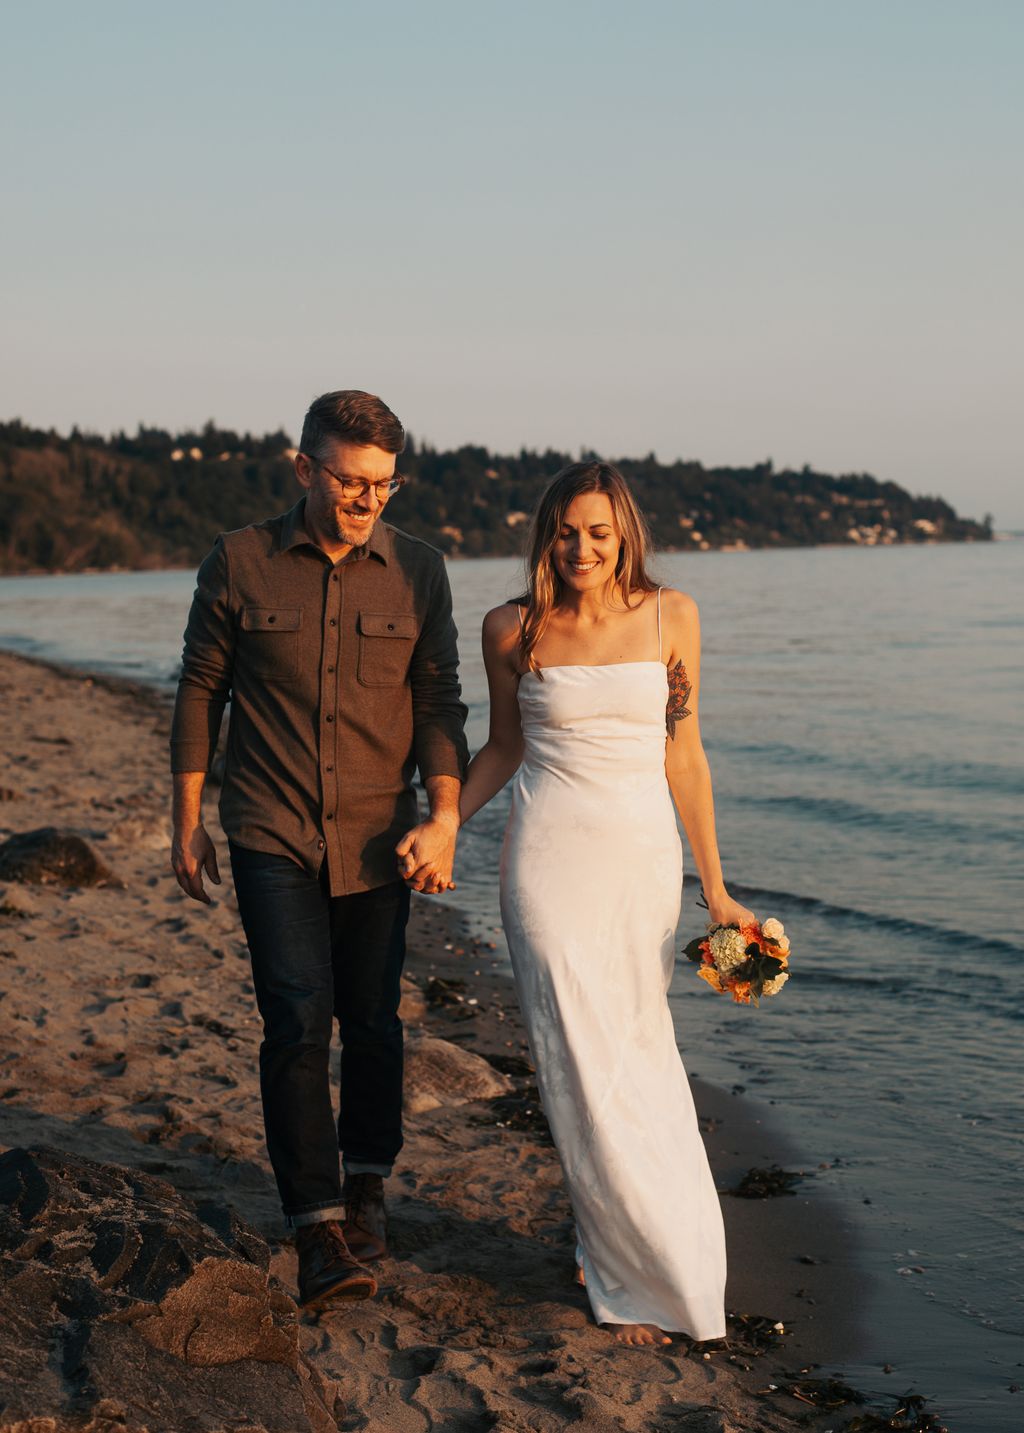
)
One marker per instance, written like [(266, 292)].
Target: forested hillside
[(157, 499)]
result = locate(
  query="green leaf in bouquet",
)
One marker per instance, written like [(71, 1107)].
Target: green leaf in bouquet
[(692, 949), (762, 969)]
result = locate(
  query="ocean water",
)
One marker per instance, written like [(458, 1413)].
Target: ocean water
[(861, 713)]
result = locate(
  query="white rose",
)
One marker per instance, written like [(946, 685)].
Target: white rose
[(773, 928), (772, 987)]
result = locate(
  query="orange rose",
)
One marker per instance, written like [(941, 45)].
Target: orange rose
[(711, 975), (741, 992)]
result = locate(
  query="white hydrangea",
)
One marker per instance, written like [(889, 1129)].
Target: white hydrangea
[(729, 950)]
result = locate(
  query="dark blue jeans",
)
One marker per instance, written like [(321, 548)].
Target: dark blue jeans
[(317, 958)]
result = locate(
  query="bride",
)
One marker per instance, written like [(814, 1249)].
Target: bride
[(594, 677)]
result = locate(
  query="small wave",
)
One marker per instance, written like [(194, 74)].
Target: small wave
[(928, 773), (838, 811), (958, 986), (919, 931)]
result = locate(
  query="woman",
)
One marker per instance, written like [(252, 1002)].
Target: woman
[(594, 680)]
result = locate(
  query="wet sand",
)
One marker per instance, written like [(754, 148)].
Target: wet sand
[(131, 1036)]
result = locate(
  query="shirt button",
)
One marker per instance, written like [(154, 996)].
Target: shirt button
[(329, 816), (319, 845), (333, 623), (330, 768), (330, 669), (329, 717), (334, 578)]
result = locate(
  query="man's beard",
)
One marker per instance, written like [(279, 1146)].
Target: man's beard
[(341, 527)]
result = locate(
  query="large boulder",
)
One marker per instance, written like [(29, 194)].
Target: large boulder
[(52, 857), (123, 1305), (440, 1073)]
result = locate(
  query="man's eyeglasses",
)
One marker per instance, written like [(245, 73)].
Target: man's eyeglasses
[(357, 488)]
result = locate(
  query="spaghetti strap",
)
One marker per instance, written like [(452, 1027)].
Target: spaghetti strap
[(660, 657), (522, 624)]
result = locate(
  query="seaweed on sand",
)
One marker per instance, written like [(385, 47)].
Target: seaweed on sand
[(766, 1183), (909, 1416)]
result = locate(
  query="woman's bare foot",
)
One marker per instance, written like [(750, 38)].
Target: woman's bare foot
[(581, 1277), (639, 1335)]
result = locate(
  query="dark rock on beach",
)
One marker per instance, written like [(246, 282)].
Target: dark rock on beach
[(439, 1073), (122, 1304), (53, 857)]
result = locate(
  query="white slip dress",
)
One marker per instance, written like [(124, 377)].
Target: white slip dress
[(591, 882)]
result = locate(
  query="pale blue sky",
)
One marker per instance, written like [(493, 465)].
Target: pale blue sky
[(726, 230)]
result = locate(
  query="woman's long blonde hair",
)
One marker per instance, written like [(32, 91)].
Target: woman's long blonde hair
[(545, 586)]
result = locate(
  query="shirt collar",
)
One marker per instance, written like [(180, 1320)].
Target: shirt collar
[(294, 534), (379, 543), (293, 526)]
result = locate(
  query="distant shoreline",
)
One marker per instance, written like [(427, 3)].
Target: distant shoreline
[(77, 502), (997, 537)]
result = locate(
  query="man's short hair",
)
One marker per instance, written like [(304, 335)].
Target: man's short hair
[(350, 416)]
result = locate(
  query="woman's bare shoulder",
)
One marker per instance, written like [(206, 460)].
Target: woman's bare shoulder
[(678, 607), (501, 626)]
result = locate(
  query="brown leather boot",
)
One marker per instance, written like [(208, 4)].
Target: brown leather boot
[(366, 1220), (328, 1272)]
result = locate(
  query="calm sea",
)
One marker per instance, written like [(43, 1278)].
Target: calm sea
[(861, 712)]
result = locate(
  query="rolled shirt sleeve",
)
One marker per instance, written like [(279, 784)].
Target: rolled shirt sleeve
[(207, 663)]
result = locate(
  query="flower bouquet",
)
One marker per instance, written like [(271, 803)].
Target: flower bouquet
[(747, 960)]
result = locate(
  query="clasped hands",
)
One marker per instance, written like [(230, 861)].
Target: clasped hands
[(426, 855)]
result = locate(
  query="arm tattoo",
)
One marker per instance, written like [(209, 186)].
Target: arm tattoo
[(678, 695)]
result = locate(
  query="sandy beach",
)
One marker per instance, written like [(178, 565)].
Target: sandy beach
[(130, 1036)]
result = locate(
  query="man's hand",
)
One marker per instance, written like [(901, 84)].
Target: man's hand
[(426, 855), (192, 853)]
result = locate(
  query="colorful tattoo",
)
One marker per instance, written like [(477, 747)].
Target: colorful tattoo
[(679, 689)]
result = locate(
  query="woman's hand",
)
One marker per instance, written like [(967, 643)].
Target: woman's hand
[(723, 910)]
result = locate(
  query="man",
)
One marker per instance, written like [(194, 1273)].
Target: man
[(332, 633)]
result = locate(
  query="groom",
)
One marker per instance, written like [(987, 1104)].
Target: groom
[(331, 632)]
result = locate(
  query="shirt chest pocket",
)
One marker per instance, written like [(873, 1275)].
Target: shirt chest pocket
[(386, 640), (269, 640)]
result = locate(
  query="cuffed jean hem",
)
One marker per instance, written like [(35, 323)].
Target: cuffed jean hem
[(314, 1216), (362, 1166)]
